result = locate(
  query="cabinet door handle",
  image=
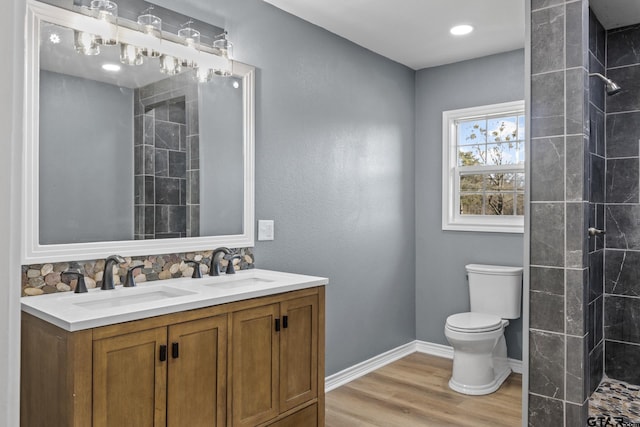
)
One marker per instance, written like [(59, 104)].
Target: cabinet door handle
[(285, 322), (175, 350), (163, 353), (277, 325)]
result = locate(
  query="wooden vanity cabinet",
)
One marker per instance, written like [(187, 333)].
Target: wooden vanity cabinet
[(255, 362), (274, 362), (173, 376)]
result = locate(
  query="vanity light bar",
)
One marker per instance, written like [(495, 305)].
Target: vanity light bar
[(128, 33)]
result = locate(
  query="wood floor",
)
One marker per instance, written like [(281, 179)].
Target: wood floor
[(413, 392)]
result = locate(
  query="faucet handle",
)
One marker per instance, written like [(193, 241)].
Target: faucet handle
[(130, 282), (230, 268), (81, 286), (197, 274)]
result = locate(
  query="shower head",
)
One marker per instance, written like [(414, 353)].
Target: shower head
[(610, 86)]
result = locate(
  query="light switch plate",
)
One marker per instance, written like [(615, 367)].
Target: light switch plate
[(265, 229)]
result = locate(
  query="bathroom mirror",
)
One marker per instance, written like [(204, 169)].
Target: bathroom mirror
[(134, 161)]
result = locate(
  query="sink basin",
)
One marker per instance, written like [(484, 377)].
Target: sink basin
[(154, 294), (240, 283)]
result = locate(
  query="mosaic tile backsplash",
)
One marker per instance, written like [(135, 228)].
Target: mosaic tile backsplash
[(39, 279)]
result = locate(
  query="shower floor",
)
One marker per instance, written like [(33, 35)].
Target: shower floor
[(615, 398)]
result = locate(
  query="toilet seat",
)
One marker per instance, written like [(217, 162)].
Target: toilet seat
[(473, 322)]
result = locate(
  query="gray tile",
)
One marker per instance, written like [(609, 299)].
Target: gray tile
[(622, 319), (539, 4), (621, 223), (576, 415), (596, 85), (544, 411), (576, 380), (149, 125), (162, 219), (596, 273), (149, 160), (547, 169), (596, 132), (576, 237), (547, 40), (546, 364), (149, 190), (149, 220), (623, 46), (546, 311), (167, 191), (177, 164), (193, 121), (162, 162), (621, 361), (138, 191), (138, 160), (547, 234), (550, 280), (167, 135), (622, 272), (193, 152), (577, 168), (177, 219), (623, 134), (628, 78), (193, 188), (597, 37), (177, 113), (596, 367), (577, 101), (577, 34), (138, 225), (576, 302), (622, 180), (183, 191), (597, 182), (547, 104)]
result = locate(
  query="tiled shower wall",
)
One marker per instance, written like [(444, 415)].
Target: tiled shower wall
[(622, 257), (166, 164), (597, 161), (560, 210)]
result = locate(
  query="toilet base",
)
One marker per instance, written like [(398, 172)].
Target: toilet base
[(478, 390)]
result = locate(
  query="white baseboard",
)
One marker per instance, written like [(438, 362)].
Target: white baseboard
[(370, 365), (356, 371)]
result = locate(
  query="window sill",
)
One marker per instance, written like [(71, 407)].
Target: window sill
[(512, 227)]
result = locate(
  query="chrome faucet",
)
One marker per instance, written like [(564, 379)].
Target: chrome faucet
[(214, 268), (107, 275)]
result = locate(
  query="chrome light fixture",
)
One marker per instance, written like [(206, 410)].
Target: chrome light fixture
[(130, 55), (170, 65), (191, 39), (225, 47), (106, 11), (204, 75), (152, 26), (85, 43)]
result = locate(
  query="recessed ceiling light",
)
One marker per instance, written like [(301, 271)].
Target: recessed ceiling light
[(461, 30), (111, 67)]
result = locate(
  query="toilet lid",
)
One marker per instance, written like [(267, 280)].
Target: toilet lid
[(474, 322)]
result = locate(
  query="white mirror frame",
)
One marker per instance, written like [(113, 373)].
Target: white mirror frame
[(32, 251)]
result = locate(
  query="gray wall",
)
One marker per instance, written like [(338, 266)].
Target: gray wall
[(334, 169), (221, 180), (86, 160), (441, 287)]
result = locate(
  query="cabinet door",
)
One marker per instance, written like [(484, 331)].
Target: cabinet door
[(298, 351), (197, 373), (254, 365), (129, 380)]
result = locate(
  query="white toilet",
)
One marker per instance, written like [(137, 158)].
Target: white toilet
[(479, 349)]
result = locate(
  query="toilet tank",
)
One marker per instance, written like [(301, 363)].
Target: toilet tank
[(495, 289)]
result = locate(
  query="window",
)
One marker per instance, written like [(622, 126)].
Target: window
[(483, 168)]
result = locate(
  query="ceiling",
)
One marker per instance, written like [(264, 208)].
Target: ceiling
[(416, 32), (616, 13)]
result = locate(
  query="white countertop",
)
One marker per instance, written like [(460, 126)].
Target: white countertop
[(75, 312)]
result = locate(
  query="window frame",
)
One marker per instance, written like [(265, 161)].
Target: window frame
[(451, 218)]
